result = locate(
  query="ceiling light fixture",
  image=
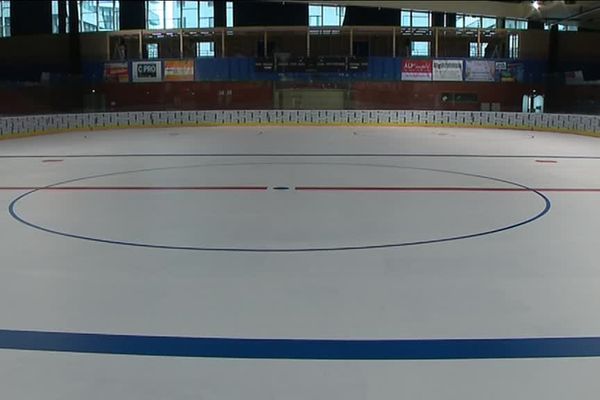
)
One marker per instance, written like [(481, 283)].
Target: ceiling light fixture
[(536, 4)]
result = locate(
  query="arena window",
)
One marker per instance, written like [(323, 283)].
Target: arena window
[(4, 18), (56, 17), (513, 45), (464, 21), (163, 14), (415, 19), (420, 48), (562, 27), (520, 24), (467, 22), (321, 15), (229, 14), (152, 50), (96, 15), (205, 49), (477, 50)]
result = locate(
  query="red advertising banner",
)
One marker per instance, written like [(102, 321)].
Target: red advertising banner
[(116, 72), (417, 70)]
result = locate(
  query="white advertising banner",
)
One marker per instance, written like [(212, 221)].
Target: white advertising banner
[(447, 70), (480, 71), (147, 71)]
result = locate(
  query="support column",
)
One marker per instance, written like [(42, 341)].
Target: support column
[(265, 45), (181, 43), (74, 38), (62, 16), (141, 44), (394, 42), (222, 42), (437, 41)]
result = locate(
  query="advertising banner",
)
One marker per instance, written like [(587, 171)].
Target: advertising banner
[(447, 70), (417, 70), (512, 72), (179, 70), (480, 71), (147, 71), (116, 72)]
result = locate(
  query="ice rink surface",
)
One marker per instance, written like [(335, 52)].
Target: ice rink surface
[(322, 235)]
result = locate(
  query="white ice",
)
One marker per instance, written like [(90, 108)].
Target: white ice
[(538, 280)]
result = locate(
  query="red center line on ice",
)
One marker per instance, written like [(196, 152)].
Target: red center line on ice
[(301, 188), (136, 188), (435, 189)]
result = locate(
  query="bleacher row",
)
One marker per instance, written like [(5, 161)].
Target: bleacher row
[(39, 124)]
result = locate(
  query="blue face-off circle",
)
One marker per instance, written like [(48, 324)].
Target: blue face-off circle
[(547, 205)]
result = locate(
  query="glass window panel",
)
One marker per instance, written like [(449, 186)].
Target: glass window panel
[(420, 19), (172, 14), (516, 24), (419, 49), (88, 15), (106, 15), (190, 14), (473, 49), (152, 50), (94, 15), (405, 19), (4, 18), (230, 14), (315, 15), (207, 14), (155, 18), (472, 22), (513, 45), (561, 27), (488, 23), (205, 49), (55, 17), (331, 16), (460, 21), (342, 13), (116, 15), (319, 15)]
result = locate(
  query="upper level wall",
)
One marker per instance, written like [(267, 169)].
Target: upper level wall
[(534, 44), (575, 50), (30, 17), (579, 46)]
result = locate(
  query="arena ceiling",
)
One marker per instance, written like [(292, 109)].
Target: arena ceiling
[(581, 13)]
